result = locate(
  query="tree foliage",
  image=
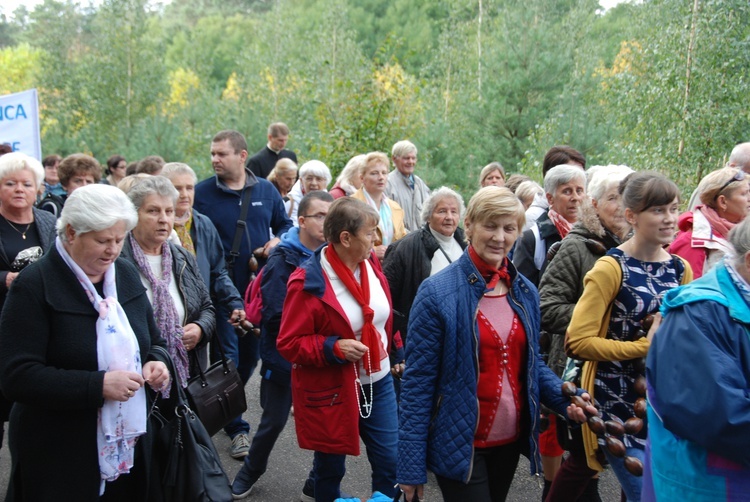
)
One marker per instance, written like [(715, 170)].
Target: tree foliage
[(658, 84)]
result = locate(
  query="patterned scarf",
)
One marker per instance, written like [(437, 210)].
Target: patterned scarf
[(490, 274), (361, 294), (165, 312), (562, 225), (120, 423), (182, 226)]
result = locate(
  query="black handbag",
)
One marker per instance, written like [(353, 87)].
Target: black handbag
[(216, 395), (184, 455)]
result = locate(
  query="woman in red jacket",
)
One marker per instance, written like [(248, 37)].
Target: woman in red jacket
[(336, 332)]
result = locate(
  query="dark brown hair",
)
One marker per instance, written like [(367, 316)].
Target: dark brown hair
[(646, 189), (78, 164), (558, 155), (235, 138), (347, 215)]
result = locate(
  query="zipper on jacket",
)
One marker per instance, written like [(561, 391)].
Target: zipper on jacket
[(535, 417), (476, 367), (180, 282)]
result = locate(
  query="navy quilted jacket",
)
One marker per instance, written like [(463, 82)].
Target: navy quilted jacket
[(439, 410)]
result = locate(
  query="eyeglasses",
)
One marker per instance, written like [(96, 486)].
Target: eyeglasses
[(737, 177), (317, 217)]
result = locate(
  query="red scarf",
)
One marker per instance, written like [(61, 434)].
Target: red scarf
[(562, 225), (490, 274), (361, 294), (720, 226)]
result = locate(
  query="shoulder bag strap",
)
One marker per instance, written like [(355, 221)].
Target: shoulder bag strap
[(241, 228)]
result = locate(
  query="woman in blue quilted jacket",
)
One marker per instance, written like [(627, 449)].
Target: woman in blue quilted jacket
[(474, 378)]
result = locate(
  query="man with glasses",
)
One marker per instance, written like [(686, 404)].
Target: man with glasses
[(296, 246), (264, 161)]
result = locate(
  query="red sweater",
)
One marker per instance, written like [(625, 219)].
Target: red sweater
[(502, 360)]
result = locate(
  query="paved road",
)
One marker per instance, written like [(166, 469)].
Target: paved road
[(289, 465)]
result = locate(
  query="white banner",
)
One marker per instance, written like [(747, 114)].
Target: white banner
[(19, 122)]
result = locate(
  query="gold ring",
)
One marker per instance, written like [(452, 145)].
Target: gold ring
[(130, 392)]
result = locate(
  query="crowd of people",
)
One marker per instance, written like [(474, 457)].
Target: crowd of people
[(437, 333)]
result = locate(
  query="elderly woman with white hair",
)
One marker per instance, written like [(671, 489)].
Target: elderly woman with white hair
[(78, 343), (313, 175), (565, 189), (170, 274), (601, 227), (348, 180), (424, 253), (25, 231)]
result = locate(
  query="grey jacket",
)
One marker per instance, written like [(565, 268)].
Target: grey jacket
[(411, 201), (562, 283)]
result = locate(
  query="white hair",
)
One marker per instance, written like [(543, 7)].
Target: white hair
[(316, 168), (438, 195), (14, 162), (602, 178), (96, 207), (153, 185), (176, 169)]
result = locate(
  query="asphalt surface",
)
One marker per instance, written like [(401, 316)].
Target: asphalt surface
[(289, 465)]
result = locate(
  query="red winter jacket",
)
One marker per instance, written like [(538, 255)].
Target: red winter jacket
[(326, 414)]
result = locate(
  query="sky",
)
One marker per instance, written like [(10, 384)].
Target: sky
[(8, 6)]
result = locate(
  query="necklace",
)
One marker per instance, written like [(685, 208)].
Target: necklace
[(23, 234), (358, 387)]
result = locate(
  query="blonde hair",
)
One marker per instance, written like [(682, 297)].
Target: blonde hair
[(371, 159), (491, 168), (714, 183), (494, 202)]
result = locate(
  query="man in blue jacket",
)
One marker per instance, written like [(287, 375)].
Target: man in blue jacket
[(297, 245), (220, 198)]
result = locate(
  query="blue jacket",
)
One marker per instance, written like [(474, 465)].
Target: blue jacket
[(210, 257), (439, 409), (698, 372), (222, 206), (284, 259)]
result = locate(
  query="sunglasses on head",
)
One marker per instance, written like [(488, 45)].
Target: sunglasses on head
[(737, 177)]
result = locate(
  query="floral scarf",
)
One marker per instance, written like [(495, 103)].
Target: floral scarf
[(120, 423)]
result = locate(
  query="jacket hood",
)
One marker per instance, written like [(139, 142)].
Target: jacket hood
[(590, 219), (290, 240), (717, 286)]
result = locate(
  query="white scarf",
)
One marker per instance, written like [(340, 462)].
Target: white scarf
[(386, 216), (119, 423)]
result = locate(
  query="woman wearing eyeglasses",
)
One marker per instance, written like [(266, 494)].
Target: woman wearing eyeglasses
[(725, 201)]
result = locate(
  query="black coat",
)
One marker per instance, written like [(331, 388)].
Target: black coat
[(48, 366), (408, 262), (195, 297), (525, 250)]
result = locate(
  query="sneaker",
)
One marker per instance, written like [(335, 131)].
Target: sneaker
[(240, 446), (308, 492), (243, 484)]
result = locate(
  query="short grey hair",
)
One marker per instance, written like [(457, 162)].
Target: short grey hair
[(562, 174), (403, 147), (154, 185), (601, 179), (316, 168), (438, 195), (171, 169), (739, 237), (13, 162), (96, 207)]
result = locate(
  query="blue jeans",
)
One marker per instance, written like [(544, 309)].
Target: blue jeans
[(380, 434), (243, 351), (276, 401), (630, 484)]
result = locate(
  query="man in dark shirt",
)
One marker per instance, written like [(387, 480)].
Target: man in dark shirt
[(264, 161)]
